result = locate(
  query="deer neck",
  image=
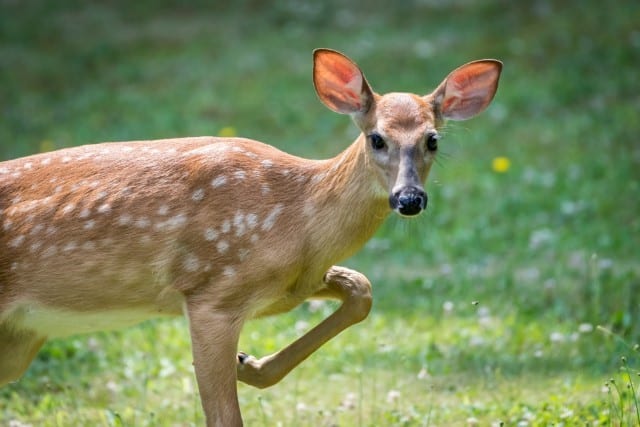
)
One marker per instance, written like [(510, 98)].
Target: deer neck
[(345, 205)]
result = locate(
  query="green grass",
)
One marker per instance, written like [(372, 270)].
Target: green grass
[(486, 308)]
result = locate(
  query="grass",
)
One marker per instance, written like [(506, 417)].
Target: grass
[(486, 308)]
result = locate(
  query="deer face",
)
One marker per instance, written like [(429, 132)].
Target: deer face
[(402, 141), (400, 129)]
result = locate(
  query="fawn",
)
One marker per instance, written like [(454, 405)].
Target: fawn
[(218, 229)]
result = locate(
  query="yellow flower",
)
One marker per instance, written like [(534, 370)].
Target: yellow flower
[(501, 164), (228, 132)]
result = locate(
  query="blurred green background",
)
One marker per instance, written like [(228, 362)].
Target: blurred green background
[(487, 308)]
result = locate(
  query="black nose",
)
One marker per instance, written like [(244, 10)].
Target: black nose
[(409, 201)]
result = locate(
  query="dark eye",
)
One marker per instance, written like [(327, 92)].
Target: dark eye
[(377, 143), (432, 141)]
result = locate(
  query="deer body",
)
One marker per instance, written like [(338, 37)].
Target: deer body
[(221, 230), (209, 228)]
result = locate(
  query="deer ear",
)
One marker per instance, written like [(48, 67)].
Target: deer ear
[(467, 90), (339, 83)]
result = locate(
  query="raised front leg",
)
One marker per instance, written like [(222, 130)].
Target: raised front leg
[(214, 338), (348, 286)]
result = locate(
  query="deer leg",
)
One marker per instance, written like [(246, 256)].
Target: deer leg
[(348, 286), (17, 350), (214, 339)]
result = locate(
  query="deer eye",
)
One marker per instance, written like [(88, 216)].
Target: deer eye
[(432, 141), (376, 141)]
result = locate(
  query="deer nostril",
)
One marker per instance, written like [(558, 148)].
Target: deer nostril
[(409, 202)]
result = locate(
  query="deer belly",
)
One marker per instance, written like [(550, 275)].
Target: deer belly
[(55, 322)]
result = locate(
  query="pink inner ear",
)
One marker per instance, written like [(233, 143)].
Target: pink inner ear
[(477, 75), (469, 90), (339, 84), (344, 72), (349, 81)]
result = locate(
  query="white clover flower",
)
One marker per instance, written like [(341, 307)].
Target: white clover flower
[(557, 337), (393, 396), (585, 328)]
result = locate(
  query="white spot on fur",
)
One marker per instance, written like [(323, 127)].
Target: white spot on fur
[(266, 163), (209, 149), (210, 234), (240, 175), (70, 246), (125, 219), (50, 251), (198, 195), (88, 246), (191, 263), (265, 189), (251, 220), (254, 238), (84, 213), (66, 159), (229, 271), (28, 165), (35, 246), (36, 229), (172, 223), (104, 208), (222, 246), (16, 241), (163, 210), (238, 222), (226, 226), (142, 222), (178, 220), (270, 220), (7, 225), (89, 224), (218, 181)]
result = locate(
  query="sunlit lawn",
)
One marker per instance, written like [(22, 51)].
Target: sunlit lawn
[(512, 300)]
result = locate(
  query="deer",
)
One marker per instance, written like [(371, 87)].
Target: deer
[(219, 230)]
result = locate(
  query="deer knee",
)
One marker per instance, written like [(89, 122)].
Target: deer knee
[(355, 289), (360, 301)]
